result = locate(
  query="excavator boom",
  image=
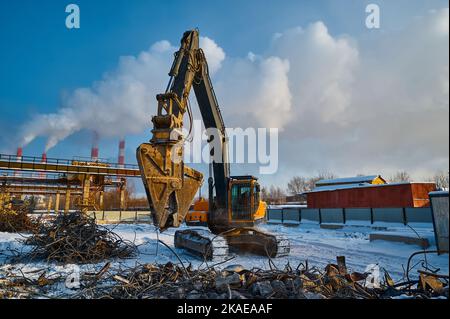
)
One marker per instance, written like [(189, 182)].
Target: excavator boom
[(171, 185)]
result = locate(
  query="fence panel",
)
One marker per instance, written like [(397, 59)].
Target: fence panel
[(291, 215), (274, 214), (388, 215), (332, 215), (143, 216), (357, 214), (113, 216), (128, 216), (419, 215), (310, 214)]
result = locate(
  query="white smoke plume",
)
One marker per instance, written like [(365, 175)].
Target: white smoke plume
[(121, 103)]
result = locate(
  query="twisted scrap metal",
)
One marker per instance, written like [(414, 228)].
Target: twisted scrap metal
[(76, 238)]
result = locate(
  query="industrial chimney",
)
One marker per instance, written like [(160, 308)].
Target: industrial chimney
[(43, 160), (19, 154), (121, 159), (94, 149)]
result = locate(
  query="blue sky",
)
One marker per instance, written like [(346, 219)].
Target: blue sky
[(41, 59)]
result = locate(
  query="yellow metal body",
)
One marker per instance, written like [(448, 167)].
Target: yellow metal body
[(261, 211), (198, 214), (378, 181)]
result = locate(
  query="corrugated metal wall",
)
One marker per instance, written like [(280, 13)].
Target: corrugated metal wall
[(386, 196)]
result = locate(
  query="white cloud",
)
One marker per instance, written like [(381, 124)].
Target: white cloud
[(214, 54), (369, 108), (322, 70), (254, 92)]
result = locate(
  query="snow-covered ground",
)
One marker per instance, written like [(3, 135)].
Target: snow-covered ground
[(308, 242)]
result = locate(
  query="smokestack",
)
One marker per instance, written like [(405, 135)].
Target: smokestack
[(19, 153), (121, 159), (94, 149), (43, 160)]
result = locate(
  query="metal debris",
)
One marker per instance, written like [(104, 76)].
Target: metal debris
[(173, 281), (76, 238), (13, 216)]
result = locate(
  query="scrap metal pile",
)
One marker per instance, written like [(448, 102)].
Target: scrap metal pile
[(76, 238), (14, 218), (175, 281), (236, 282)]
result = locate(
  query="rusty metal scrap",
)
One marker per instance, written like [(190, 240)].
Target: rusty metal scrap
[(76, 238), (14, 217), (236, 282), (233, 282)]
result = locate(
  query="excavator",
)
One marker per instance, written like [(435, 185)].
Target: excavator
[(233, 206)]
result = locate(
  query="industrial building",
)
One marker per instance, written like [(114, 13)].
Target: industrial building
[(52, 178), (368, 191)]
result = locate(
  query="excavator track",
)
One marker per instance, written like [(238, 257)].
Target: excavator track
[(202, 243), (257, 242), (206, 245)]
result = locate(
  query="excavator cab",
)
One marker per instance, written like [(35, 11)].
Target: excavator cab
[(244, 199)]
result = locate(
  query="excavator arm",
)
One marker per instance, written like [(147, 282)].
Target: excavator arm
[(170, 184)]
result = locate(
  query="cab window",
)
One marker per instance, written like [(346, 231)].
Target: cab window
[(241, 202)]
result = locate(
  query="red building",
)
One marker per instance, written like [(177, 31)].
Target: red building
[(371, 195)]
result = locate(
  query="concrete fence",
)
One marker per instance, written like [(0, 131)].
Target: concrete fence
[(401, 215), (121, 216), (111, 216)]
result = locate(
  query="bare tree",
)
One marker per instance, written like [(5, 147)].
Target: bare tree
[(276, 195), (400, 177), (297, 185), (311, 182), (441, 179), (264, 194)]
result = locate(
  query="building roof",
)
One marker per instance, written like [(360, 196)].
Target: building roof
[(339, 186), (359, 185), (348, 180)]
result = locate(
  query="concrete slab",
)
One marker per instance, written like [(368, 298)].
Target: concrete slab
[(421, 242), (331, 226)]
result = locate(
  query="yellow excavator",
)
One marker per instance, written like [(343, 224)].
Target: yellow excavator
[(234, 204)]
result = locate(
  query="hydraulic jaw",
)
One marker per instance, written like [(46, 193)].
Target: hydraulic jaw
[(170, 185)]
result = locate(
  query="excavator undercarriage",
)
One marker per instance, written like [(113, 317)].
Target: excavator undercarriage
[(207, 245)]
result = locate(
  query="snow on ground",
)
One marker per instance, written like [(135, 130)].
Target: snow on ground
[(308, 242)]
